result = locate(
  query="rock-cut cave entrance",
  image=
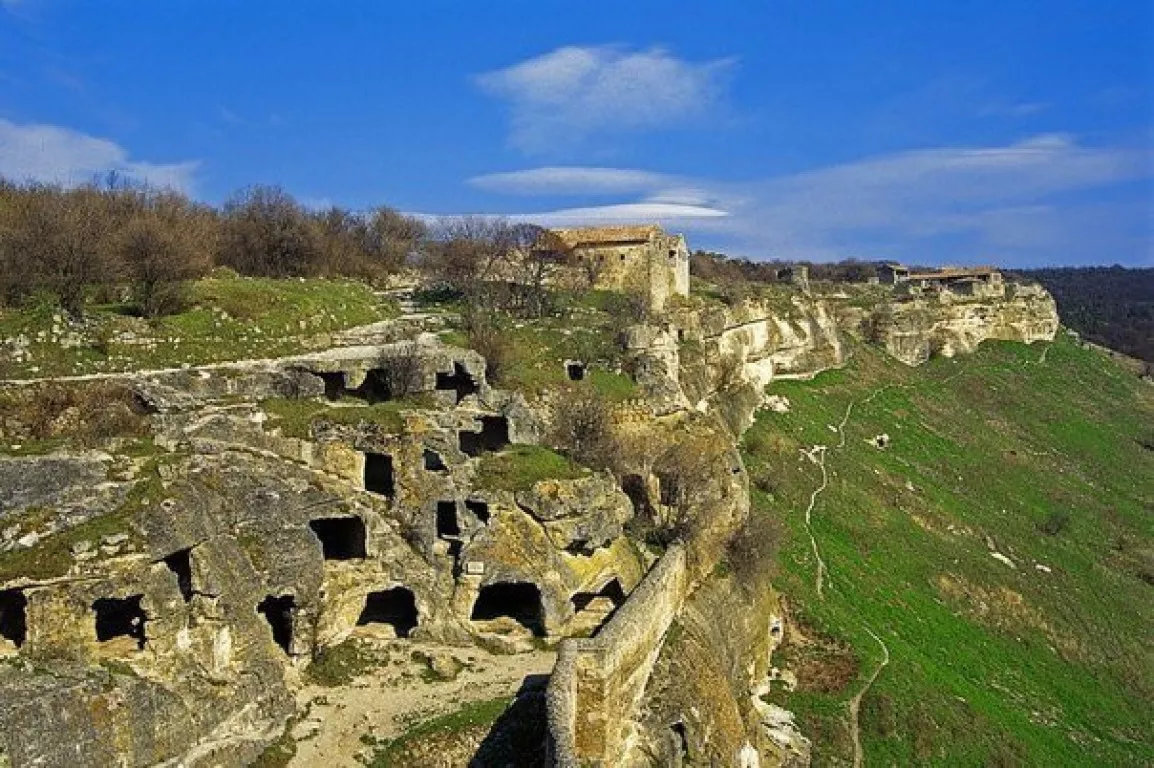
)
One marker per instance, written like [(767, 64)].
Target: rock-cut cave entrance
[(342, 538), (448, 526), (278, 611), (13, 616), (494, 436), (376, 388), (593, 610), (433, 461), (611, 591), (379, 474), (396, 607), (459, 381), (120, 617), (480, 509), (180, 563), (517, 600)]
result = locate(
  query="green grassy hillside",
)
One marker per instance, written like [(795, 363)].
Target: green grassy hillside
[(1042, 655)]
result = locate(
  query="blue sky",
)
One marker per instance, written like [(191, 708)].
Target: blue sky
[(1014, 132)]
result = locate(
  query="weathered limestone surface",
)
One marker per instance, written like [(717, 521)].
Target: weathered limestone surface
[(948, 325), (196, 674), (209, 541)]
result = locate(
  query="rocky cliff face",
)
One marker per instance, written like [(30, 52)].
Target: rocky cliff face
[(159, 600), (947, 325), (161, 593)]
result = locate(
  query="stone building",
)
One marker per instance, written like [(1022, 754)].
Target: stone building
[(639, 258), (974, 281)]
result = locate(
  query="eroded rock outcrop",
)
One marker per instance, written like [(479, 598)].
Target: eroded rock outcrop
[(159, 605), (948, 324)]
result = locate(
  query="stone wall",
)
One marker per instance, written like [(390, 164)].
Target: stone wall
[(658, 268), (597, 684)]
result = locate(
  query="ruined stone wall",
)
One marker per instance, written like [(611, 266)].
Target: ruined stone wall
[(658, 269), (597, 684)]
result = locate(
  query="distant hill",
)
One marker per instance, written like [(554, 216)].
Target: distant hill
[(1112, 306)]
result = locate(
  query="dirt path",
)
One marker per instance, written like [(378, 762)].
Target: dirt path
[(817, 455), (855, 702), (396, 695)]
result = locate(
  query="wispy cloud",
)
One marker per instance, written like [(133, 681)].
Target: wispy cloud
[(570, 180), (50, 153), (1013, 109), (1018, 203), (572, 92)]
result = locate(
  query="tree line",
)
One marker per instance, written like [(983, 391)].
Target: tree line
[(114, 236), (1112, 306)]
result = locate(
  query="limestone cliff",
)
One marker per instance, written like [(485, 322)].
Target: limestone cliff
[(162, 589), (948, 324)]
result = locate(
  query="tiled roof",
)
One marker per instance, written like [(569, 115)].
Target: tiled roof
[(606, 235)]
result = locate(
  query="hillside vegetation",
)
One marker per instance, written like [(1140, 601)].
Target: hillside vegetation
[(1112, 306), (998, 546)]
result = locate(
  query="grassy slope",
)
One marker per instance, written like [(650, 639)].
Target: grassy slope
[(230, 318), (990, 664)]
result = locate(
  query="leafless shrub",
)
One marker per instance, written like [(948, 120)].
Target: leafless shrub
[(404, 371), (752, 552), (85, 413), (267, 233), (582, 427), (487, 339)]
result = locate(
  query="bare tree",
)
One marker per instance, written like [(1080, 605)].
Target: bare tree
[(471, 254), (537, 258), (393, 236), (266, 232), (582, 427)]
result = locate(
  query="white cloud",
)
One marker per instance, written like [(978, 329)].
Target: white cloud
[(572, 92), (1028, 202), (52, 154), (570, 180), (670, 214)]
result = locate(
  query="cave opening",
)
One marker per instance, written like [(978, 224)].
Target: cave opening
[(494, 436), (448, 526), (342, 538), (376, 388), (480, 510), (334, 383), (278, 611), (612, 591), (180, 563), (635, 488), (379, 474), (580, 548), (575, 370), (517, 600), (13, 616), (396, 607), (434, 462), (680, 737), (459, 381), (120, 617)]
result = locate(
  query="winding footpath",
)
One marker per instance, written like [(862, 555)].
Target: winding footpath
[(817, 455), (854, 704)]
